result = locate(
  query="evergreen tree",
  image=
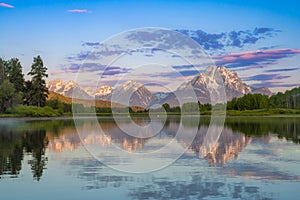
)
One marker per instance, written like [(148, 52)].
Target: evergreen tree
[(27, 99), (15, 74), (39, 92), (3, 70), (166, 107)]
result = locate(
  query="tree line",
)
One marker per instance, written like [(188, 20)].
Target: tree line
[(287, 100), (14, 90)]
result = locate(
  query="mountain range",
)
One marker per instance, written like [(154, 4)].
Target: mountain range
[(132, 93)]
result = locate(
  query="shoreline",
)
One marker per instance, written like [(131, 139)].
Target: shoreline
[(103, 115)]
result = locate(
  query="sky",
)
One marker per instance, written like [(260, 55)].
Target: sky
[(257, 39)]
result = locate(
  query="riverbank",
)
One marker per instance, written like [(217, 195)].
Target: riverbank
[(229, 113)]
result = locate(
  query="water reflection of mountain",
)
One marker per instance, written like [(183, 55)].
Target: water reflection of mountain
[(236, 135), (32, 138)]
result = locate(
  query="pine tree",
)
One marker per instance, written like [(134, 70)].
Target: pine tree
[(39, 92), (15, 74), (27, 99)]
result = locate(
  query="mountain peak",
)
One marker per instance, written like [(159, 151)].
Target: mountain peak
[(131, 85), (103, 90), (134, 92), (71, 82), (203, 83)]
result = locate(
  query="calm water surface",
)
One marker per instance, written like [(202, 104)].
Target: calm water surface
[(254, 158)]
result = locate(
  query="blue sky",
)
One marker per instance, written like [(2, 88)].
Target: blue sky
[(57, 30)]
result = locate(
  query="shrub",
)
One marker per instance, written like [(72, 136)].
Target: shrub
[(33, 111)]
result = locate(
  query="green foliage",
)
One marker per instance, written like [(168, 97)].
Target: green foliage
[(27, 98), (34, 111), (249, 102), (290, 99), (262, 112), (122, 110), (38, 91), (103, 110), (205, 107), (8, 96), (175, 109), (191, 107), (58, 105), (166, 107)]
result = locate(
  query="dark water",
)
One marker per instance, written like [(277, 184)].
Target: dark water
[(254, 158)]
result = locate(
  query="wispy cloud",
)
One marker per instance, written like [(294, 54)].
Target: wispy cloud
[(78, 11), (254, 58), (100, 69), (91, 44), (83, 67), (266, 77), (111, 71), (275, 84), (81, 56), (282, 70), (6, 5), (179, 67), (271, 80), (94, 55)]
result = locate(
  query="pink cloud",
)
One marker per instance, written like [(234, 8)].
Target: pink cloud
[(229, 59), (78, 11), (6, 5), (255, 57)]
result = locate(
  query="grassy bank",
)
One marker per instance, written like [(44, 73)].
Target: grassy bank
[(263, 112), (32, 111)]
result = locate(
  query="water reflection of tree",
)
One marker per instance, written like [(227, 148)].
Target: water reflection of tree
[(35, 142), (11, 153), (284, 127), (14, 143)]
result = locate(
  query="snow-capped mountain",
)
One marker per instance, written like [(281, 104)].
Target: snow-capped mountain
[(195, 90), (56, 85), (69, 89), (132, 93), (203, 87), (235, 87), (129, 93), (66, 89), (103, 92)]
